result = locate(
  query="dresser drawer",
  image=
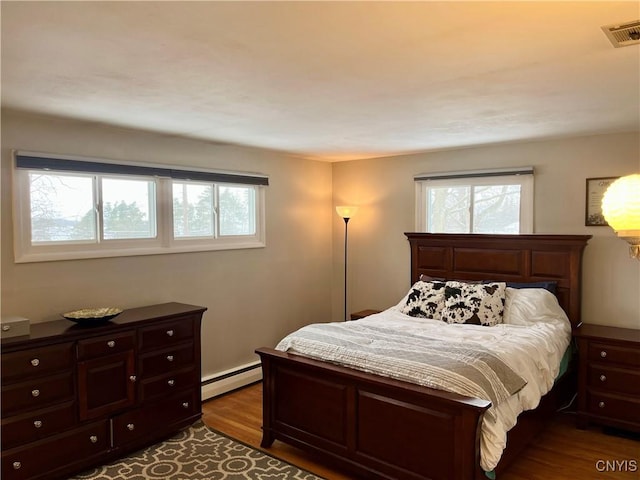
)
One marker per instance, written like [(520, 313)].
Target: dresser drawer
[(106, 345), (45, 456), (612, 379), (167, 384), (21, 429), (166, 360), (608, 354), (166, 334), (131, 426), (614, 406), (36, 362), (37, 393)]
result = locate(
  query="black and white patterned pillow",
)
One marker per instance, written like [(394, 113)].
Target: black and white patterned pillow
[(425, 300), (479, 304)]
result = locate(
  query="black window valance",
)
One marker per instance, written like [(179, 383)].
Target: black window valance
[(474, 174), (37, 162)]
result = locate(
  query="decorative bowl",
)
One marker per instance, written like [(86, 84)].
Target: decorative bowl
[(93, 316)]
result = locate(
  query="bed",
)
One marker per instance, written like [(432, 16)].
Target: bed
[(381, 427)]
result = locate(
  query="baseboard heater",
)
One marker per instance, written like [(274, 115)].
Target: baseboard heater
[(223, 382)]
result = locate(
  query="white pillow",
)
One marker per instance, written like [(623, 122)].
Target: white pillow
[(528, 306)]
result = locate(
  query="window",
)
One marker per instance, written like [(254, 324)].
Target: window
[(193, 210), (64, 208), (492, 201), (67, 208), (128, 208), (200, 210), (61, 208)]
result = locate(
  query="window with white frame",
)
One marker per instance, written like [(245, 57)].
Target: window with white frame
[(76, 208), (489, 201)]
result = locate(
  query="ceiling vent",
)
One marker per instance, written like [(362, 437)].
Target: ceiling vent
[(623, 35)]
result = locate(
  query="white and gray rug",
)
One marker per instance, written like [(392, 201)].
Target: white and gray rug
[(198, 453)]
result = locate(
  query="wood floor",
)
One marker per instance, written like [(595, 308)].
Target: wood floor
[(561, 452)]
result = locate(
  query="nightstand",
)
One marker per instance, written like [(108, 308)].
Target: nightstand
[(608, 376), (363, 313)]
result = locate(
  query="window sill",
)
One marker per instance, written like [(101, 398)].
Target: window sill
[(130, 252)]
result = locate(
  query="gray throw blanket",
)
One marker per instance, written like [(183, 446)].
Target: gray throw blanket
[(472, 371)]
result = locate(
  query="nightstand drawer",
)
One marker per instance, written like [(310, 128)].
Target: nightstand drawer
[(610, 406), (607, 353), (612, 379)]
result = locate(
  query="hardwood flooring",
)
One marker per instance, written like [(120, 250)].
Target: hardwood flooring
[(560, 452)]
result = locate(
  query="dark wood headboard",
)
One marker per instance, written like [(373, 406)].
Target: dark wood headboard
[(507, 258)]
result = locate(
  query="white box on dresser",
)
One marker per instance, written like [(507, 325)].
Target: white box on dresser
[(13, 326)]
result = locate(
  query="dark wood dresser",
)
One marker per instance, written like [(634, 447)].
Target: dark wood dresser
[(609, 376), (77, 396)]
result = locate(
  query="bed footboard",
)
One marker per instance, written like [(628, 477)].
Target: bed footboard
[(371, 425)]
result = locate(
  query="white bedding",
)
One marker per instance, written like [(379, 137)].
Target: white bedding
[(532, 341)]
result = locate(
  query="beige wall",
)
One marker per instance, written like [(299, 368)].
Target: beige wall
[(254, 296), (379, 270)]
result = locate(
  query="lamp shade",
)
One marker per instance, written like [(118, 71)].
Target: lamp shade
[(621, 203), (346, 211), (621, 209)]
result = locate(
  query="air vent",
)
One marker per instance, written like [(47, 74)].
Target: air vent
[(623, 35)]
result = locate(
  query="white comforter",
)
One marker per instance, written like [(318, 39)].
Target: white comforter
[(532, 341)]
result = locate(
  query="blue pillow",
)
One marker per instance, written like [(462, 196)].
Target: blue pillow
[(551, 286), (547, 285)]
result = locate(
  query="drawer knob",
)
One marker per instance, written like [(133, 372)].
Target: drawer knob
[(111, 344), (185, 405), (603, 378), (133, 378), (603, 353), (171, 382), (601, 404), (170, 333), (35, 393), (130, 427), (35, 362), (17, 465), (37, 423), (170, 358), (93, 439)]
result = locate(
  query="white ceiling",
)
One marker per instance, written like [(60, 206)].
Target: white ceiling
[(328, 80)]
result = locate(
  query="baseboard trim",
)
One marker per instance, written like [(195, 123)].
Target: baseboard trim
[(229, 380)]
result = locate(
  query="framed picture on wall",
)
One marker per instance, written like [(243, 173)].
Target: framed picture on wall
[(596, 187)]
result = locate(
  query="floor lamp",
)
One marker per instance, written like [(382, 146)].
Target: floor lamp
[(346, 212)]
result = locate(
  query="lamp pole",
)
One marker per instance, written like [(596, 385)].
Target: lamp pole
[(346, 212), (346, 223)]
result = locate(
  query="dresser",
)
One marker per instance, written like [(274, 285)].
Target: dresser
[(609, 376), (78, 396)]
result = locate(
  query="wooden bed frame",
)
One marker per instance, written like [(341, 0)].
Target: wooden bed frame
[(377, 427)]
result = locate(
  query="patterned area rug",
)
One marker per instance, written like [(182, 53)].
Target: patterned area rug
[(198, 453)]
